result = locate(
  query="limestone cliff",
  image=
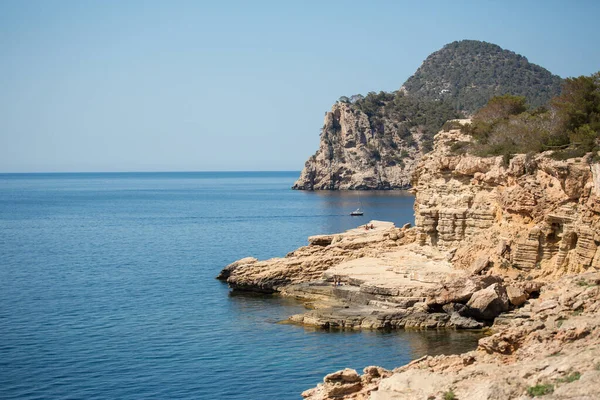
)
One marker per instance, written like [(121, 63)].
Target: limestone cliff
[(353, 155), (533, 213)]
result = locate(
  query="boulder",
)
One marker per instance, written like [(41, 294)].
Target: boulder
[(480, 264), (530, 287), (342, 383), (460, 290), (488, 303), (346, 375), (320, 240), (516, 296), (546, 305), (506, 342), (372, 373)]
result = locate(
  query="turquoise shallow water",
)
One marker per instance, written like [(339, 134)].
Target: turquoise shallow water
[(107, 287)]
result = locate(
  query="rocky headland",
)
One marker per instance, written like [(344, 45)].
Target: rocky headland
[(354, 156), (374, 142), (510, 245)]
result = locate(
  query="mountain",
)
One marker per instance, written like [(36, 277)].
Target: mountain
[(374, 141), (468, 73)]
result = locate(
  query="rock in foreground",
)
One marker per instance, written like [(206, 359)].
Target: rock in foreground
[(555, 351)]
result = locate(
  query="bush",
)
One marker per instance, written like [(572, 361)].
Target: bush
[(571, 377), (501, 107), (571, 127), (568, 153), (449, 395), (451, 125), (459, 147), (540, 390), (579, 103)]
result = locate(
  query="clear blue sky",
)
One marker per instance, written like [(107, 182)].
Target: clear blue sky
[(225, 85)]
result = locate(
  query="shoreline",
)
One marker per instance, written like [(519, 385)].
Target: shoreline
[(385, 281), (552, 323), (509, 244)]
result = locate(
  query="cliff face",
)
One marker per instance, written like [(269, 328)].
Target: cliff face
[(352, 155), (534, 213)]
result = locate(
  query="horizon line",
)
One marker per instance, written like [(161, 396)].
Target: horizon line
[(142, 172)]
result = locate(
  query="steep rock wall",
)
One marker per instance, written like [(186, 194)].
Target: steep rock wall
[(353, 155), (531, 214)]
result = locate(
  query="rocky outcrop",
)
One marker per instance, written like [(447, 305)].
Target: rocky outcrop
[(354, 155), (496, 241), (533, 213), (347, 382), (375, 141), (324, 252), (550, 347), (377, 279), (488, 303)]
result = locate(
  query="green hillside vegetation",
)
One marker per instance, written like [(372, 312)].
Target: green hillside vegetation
[(570, 125), (396, 113), (467, 73), (457, 80)]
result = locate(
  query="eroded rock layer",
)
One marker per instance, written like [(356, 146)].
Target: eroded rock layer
[(532, 212)]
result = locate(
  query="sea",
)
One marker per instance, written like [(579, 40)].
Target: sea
[(108, 289)]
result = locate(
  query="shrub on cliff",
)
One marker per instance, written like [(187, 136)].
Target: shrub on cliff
[(405, 112), (578, 110), (540, 390), (570, 127)]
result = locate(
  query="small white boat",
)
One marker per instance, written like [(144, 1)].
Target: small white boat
[(356, 212)]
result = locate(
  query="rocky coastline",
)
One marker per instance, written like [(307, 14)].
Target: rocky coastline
[(348, 149), (505, 245), (550, 347)]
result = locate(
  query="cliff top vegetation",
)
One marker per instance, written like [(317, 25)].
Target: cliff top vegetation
[(569, 125), (453, 82)]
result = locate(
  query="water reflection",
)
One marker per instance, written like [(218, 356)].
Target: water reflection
[(383, 205), (328, 350), (436, 342)]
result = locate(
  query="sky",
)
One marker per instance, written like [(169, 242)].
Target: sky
[(233, 85)]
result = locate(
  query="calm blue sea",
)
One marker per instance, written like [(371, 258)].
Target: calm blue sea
[(107, 287)]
